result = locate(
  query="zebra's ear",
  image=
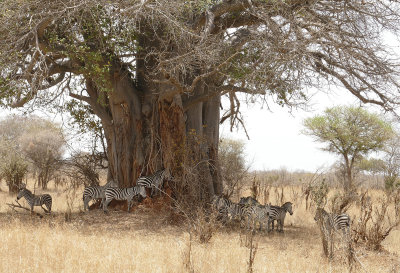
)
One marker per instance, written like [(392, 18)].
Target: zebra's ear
[(22, 186)]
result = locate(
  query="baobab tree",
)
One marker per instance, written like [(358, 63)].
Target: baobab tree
[(154, 71)]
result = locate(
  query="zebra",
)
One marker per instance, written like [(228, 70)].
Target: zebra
[(155, 181), (123, 194), (251, 214), (333, 221), (329, 222), (96, 192), (221, 206), (36, 200), (256, 213), (278, 213), (249, 200), (236, 211)]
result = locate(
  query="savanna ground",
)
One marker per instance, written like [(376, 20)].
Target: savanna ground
[(153, 239)]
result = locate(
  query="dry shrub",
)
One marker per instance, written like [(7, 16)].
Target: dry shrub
[(190, 198), (253, 246), (374, 222), (294, 194), (204, 225), (81, 170), (279, 194), (187, 255), (317, 193), (255, 187), (340, 202)]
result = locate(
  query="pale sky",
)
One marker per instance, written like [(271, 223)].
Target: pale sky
[(275, 137)]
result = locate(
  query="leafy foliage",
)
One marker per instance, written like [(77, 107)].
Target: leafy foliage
[(351, 132)]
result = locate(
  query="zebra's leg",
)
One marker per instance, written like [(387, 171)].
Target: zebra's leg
[(129, 204), (86, 203), (43, 208), (105, 205), (281, 222), (268, 224)]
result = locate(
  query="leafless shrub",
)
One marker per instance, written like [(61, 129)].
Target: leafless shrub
[(191, 199), (205, 225), (255, 187), (294, 194), (187, 255), (266, 189), (81, 170), (374, 223), (252, 245), (279, 194)]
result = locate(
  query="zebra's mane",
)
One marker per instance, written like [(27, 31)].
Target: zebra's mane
[(27, 191)]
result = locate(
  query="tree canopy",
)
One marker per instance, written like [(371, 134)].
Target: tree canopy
[(258, 47), (351, 132)]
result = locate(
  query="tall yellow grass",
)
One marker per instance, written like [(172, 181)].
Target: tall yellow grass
[(146, 241)]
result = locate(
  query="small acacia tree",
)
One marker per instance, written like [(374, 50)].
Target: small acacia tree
[(351, 132), (42, 144), (13, 167), (34, 140)]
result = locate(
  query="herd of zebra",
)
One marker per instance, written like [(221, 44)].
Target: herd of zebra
[(252, 212), (106, 193), (248, 209)]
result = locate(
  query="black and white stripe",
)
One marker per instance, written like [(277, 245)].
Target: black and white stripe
[(155, 181), (221, 206), (36, 200), (333, 221), (96, 192), (256, 214), (278, 214), (123, 194), (236, 211)]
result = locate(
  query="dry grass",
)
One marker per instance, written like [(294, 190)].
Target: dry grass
[(150, 241)]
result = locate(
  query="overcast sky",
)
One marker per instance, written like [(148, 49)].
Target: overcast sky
[(275, 137)]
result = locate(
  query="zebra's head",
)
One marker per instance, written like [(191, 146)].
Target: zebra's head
[(288, 207), (21, 193)]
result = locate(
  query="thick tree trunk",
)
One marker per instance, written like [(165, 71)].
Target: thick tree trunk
[(146, 131)]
